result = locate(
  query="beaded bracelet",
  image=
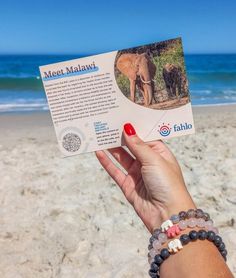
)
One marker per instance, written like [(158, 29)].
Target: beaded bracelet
[(177, 244), (195, 218), (191, 213), (163, 238)]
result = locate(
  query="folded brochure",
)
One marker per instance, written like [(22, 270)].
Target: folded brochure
[(91, 98)]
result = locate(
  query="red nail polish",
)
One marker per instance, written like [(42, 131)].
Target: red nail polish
[(129, 129)]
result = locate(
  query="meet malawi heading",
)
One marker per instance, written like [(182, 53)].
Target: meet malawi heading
[(70, 71)]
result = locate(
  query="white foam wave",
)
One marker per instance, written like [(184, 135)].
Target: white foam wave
[(18, 107), (206, 92), (215, 104)]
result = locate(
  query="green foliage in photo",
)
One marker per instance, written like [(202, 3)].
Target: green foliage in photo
[(172, 55), (123, 83)]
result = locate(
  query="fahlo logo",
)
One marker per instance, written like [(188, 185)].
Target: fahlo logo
[(164, 129), (181, 127)]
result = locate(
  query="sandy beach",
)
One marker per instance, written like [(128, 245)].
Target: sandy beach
[(66, 218)]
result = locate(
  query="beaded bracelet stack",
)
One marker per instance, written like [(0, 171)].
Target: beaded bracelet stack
[(172, 228)]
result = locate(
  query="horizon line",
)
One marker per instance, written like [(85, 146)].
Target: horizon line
[(91, 54)]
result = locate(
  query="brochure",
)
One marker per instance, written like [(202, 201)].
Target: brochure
[(91, 98)]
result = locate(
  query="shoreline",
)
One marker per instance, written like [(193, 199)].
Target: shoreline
[(39, 124), (194, 107), (43, 118)]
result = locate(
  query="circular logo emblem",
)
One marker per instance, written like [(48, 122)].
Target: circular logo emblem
[(71, 142), (164, 130)]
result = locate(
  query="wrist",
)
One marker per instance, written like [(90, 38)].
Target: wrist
[(185, 205), (172, 208)]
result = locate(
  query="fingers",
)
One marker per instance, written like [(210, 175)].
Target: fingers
[(123, 157), (126, 183), (138, 148), (117, 175)]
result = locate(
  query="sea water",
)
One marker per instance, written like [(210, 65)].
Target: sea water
[(212, 80)]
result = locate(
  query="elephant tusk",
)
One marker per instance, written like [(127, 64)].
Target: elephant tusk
[(145, 82)]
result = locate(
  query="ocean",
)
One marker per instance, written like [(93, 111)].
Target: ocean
[(212, 80)]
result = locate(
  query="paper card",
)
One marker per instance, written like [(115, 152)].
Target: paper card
[(91, 98)]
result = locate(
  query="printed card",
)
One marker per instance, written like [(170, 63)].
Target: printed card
[(91, 98)]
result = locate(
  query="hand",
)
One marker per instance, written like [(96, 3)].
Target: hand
[(154, 184)]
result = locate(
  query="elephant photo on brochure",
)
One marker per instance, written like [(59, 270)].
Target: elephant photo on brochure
[(140, 71)]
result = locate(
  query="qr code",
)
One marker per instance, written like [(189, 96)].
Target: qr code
[(71, 142)]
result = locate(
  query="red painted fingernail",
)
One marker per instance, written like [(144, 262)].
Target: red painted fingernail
[(129, 129)]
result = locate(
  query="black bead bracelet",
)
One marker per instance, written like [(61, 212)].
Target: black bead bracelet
[(154, 271)]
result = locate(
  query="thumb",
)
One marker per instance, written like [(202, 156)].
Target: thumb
[(137, 147)]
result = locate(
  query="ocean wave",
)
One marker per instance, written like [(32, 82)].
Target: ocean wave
[(200, 92), (229, 92), (214, 91), (213, 96), (214, 104), (21, 107), (18, 75), (27, 83), (212, 76), (23, 104), (20, 100), (206, 71)]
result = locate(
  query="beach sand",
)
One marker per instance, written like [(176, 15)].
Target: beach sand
[(66, 218)]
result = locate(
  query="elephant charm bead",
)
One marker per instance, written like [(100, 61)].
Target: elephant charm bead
[(166, 225), (173, 231), (175, 245)]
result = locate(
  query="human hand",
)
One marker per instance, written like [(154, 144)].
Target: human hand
[(154, 184)]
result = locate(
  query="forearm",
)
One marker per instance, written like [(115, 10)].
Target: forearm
[(199, 259)]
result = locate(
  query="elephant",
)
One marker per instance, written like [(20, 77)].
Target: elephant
[(175, 245), (166, 225), (140, 70), (175, 80), (173, 231)]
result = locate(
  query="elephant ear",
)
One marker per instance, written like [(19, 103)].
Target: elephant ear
[(127, 65)]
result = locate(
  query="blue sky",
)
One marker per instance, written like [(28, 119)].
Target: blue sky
[(90, 27)]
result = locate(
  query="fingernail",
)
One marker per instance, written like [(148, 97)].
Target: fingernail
[(129, 129)]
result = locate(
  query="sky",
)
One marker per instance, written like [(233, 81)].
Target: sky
[(92, 27)]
